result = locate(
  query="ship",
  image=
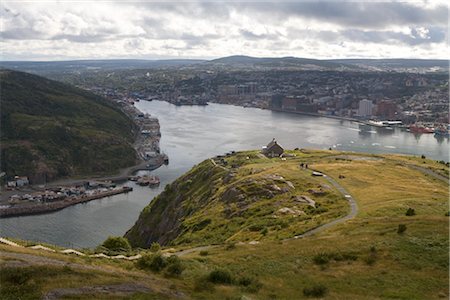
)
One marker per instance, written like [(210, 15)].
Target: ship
[(148, 180), (420, 129), (441, 131)]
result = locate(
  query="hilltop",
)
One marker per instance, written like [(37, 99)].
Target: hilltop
[(252, 215), (52, 130), (379, 229)]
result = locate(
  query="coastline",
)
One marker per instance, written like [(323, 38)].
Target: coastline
[(143, 142), (34, 209)]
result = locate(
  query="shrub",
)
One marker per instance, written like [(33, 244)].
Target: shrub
[(220, 276), (447, 214), (423, 156), (155, 247), (410, 212), (203, 253), (321, 259), (175, 266), (316, 291), (154, 262), (401, 228), (117, 243), (372, 257), (249, 284)]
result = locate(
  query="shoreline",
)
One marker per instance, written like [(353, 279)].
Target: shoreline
[(35, 209)]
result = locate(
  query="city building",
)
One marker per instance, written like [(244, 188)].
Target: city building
[(365, 108)]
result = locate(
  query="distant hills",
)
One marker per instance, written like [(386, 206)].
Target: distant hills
[(52, 130), (233, 62)]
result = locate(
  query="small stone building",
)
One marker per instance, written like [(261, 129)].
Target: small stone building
[(273, 149)]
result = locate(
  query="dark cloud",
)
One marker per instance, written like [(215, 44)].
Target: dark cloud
[(356, 14)]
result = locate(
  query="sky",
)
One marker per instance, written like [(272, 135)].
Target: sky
[(65, 30)]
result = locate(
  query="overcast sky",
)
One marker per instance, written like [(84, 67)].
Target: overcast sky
[(58, 30)]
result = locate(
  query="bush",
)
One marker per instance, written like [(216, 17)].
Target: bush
[(410, 212), (423, 156), (316, 291), (372, 257), (155, 247), (401, 228), (154, 262), (264, 231), (203, 253), (117, 243), (249, 284), (321, 259), (447, 214), (175, 266), (220, 276)]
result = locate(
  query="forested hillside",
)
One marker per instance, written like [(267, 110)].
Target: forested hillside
[(51, 130)]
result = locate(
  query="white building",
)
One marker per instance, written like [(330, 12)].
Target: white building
[(365, 108)]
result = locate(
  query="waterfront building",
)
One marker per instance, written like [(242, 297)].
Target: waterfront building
[(365, 108)]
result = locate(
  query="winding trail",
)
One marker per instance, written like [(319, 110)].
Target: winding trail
[(427, 171), (353, 212)]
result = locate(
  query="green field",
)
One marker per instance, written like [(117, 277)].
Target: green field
[(382, 253)]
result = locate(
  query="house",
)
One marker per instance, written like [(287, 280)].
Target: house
[(21, 180), (273, 149)]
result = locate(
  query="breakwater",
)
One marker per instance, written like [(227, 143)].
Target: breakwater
[(40, 208)]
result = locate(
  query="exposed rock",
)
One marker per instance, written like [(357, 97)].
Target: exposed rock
[(290, 185), (305, 199), (317, 192), (232, 195)]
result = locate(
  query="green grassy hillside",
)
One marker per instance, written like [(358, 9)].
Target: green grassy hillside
[(242, 198), (381, 253), (51, 130), (396, 247)]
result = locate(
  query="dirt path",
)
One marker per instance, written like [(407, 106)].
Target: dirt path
[(351, 215), (121, 289), (353, 212), (427, 171)]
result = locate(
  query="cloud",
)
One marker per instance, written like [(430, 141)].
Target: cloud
[(212, 29)]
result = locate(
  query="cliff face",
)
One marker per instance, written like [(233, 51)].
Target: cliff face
[(161, 220), (238, 198)]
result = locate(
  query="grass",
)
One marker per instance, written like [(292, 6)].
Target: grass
[(363, 258), (241, 200)]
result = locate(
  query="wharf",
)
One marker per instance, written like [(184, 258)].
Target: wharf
[(33, 209)]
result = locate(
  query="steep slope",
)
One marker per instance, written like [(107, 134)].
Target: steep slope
[(52, 130), (242, 197)]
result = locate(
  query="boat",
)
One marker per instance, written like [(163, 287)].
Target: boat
[(420, 129), (441, 131), (133, 178), (149, 180)]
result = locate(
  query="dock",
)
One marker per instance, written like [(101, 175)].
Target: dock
[(40, 208)]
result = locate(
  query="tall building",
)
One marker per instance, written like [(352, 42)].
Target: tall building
[(386, 109), (365, 108)]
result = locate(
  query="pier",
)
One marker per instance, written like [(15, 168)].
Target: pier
[(40, 208)]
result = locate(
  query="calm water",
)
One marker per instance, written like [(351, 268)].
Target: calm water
[(191, 134)]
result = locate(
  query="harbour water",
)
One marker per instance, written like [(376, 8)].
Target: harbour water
[(192, 133)]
